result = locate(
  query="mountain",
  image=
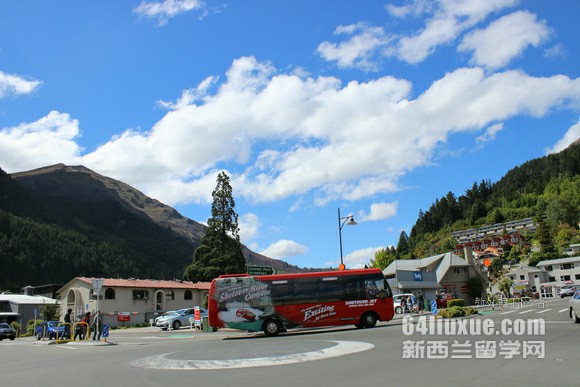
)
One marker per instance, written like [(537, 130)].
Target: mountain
[(63, 221)]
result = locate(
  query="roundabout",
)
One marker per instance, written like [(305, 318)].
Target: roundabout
[(269, 354)]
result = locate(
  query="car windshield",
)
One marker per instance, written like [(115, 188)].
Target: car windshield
[(4, 325), (52, 323)]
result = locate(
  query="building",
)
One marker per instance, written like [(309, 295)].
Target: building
[(130, 301), (547, 277), (443, 273), (22, 307)]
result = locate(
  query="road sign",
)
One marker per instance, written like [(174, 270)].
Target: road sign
[(434, 307), (261, 270)]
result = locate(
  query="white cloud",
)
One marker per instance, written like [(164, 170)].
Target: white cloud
[(379, 211), (450, 18), (489, 134), (572, 135), (50, 140), (359, 51), (284, 249), (283, 136), (555, 52), (249, 225), (165, 10), (13, 84), (357, 259), (505, 39)]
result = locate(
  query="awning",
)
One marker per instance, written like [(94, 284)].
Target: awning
[(9, 314), (418, 285)]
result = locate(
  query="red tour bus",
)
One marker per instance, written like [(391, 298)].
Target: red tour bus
[(275, 303)]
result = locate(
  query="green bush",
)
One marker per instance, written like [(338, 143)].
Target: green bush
[(16, 326), (456, 311), (455, 302)]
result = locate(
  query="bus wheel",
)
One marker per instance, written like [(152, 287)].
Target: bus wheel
[(369, 320), (271, 327), (359, 326)]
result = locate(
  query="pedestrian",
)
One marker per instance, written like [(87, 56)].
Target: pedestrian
[(78, 329), (420, 302), (67, 325), (97, 326), (404, 304), (414, 302), (87, 322)]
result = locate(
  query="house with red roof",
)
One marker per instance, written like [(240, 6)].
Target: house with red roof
[(129, 301)]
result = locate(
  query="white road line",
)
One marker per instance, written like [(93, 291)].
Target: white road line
[(526, 311), (563, 310), (544, 311), (511, 311), (163, 362)]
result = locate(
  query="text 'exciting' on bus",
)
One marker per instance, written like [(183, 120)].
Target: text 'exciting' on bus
[(275, 303)]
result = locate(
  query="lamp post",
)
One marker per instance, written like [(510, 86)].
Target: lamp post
[(341, 222)]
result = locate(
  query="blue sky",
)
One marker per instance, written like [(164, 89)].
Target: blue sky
[(376, 108)]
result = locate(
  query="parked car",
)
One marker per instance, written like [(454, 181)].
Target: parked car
[(442, 300), (397, 302), (567, 290), (168, 313), (574, 307), (7, 332), (49, 330), (178, 319)]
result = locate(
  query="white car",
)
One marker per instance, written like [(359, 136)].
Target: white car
[(178, 318), (567, 290)]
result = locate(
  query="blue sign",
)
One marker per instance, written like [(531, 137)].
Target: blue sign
[(106, 330), (417, 276), (434, 307)]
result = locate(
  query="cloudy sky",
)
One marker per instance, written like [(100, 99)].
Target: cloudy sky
[(376, 108)]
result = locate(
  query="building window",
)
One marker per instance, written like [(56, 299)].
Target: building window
[(566, 266), (93, 295), (551, 279), (564, 278), (536, 275), (169, 295), (140, 294), (110, 294), (522, 277), (549, 268), (187, 295), (577, 276)]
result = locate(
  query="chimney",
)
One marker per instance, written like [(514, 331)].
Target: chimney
[(468, 255)]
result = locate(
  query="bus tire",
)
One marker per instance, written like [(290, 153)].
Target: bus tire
[(271, 327), (369, 320), (359, 326)]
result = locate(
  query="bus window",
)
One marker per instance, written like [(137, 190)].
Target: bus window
[(306, 290), (354, 289), (331, 290), (375, 288)]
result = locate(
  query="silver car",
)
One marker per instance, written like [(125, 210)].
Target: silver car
[(574, 307), (178, 319), (566, 290)]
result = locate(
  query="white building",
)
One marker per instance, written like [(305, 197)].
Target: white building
[(21, 307), (130, 301)]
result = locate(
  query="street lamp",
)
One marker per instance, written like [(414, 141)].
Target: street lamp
[(341, 222)]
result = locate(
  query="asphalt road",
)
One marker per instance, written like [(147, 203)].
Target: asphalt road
[(397, 353)]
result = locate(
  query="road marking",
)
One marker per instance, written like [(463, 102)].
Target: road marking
[(544, 311), (563, 310), (511, 311), (163, 362), (526, 311)]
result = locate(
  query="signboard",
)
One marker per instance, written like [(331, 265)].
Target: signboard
[(124, 316), (417, 276), (261, 270), (97, 284), (197, 316), (434, 307)]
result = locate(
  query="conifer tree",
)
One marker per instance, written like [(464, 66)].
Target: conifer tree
[(220, 250)]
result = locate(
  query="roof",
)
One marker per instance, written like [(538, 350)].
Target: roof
[(558, 261), (145, 283), (443, 263), (418, 285), (24, 299)]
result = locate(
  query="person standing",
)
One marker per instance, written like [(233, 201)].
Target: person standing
[(67, 325), (87, 321), (97, 326), (404, 304)]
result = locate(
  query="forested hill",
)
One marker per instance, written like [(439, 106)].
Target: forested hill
[(62, 221), (546, 188)]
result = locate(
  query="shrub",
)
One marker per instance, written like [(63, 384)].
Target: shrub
[(456, 311), (455, 302)]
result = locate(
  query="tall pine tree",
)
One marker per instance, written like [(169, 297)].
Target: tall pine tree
[(220, 250)]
